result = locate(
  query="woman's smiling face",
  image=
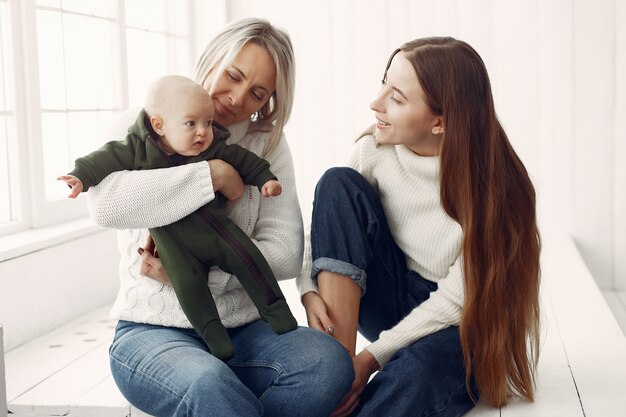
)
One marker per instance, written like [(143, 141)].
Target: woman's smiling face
[(402, 115), (244, 86)]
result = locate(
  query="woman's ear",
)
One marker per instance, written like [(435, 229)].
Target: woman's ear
[(157, 124), (438, 127)]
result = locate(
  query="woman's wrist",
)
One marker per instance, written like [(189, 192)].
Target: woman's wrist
[(225, 179), (368, 360), (308, 296)]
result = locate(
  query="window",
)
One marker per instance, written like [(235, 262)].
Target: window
[(6, 117), (80, 62)]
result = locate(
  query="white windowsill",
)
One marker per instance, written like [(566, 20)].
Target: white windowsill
[(33, 240)]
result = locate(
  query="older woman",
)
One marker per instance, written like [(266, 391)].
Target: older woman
[(158, 361)]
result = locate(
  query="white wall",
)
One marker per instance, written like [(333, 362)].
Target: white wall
[(558, 70)]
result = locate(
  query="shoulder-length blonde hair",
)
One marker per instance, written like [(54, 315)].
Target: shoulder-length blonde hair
[(485, 188), (223, 49)]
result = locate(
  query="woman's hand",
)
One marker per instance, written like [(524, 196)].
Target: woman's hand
[(364, 366), (316, 313), (151, 265), (226, 179)]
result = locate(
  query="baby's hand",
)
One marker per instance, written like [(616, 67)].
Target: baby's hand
[(271, 188), (75, 183)]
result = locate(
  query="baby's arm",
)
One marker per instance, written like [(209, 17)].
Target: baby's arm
[(75, 184), (271, 188)]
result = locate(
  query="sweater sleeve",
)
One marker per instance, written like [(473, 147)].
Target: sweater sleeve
[(441, 310), (278, 232), (148, 198)]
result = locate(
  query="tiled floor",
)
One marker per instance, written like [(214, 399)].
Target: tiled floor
[(617, 302)]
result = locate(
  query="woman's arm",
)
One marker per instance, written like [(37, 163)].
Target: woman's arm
[(278, 232), (153, 198), (150, 198)]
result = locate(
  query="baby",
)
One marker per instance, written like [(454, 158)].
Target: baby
[(176, 127)]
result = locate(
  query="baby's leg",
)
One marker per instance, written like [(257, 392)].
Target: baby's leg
[(189, 279), (238, 255)]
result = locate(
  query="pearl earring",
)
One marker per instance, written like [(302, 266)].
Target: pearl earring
[(437, 130)]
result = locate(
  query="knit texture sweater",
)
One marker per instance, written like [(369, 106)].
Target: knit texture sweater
[(408, 186), (133, 201)]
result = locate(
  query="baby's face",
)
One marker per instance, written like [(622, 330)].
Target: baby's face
[(188, 126)]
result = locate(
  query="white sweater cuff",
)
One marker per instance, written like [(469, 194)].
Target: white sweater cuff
[(205, 182)]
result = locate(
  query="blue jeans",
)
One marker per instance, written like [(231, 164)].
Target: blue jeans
[(350, 236), (168, 371)]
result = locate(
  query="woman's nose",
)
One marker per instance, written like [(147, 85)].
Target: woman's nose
[(375, 105), (236, 96)]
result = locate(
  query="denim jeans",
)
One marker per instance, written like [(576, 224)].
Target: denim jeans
[(350, 236), (168, 371)]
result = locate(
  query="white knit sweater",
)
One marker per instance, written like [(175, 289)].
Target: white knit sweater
[(133, 201), (408, 186)]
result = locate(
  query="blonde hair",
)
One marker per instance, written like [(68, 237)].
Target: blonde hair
[(223, 49)]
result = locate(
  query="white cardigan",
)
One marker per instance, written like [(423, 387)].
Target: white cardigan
[(133, 201), (408, 186)]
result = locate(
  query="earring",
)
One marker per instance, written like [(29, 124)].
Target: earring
[(437, 130)]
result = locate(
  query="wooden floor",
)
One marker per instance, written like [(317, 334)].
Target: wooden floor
[(582, 367)]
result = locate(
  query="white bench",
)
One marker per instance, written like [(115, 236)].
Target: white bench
[(582, 367)]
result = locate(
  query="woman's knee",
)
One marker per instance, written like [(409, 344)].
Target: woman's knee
[(332, 372), (338, 178)]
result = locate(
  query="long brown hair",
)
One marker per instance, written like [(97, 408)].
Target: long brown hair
[(487, 190)]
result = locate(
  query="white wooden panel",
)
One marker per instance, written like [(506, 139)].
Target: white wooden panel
[(370, 56), (622, 296), (207, 19), (236, 9), (483, 410), (34, 361), (617, 306), (515, 83), (475, 26), (556, 394), (135, 412), (60, 393), (103, 395), (554, 182), (3, 390), (343, 64), (594, 26), (432, 18), (45, 289), (312, 127), (398, 24), (593, 340), (619, 261)]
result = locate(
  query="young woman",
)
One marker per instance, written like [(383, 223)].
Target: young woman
[(429, 244), (158, 361)]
